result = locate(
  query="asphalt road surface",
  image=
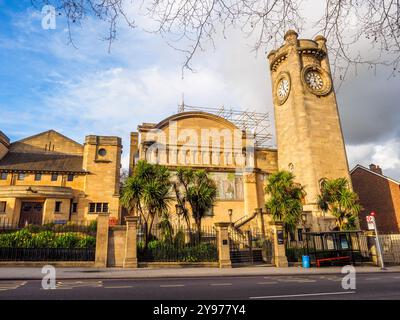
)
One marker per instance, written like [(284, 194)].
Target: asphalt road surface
[(317, 287)]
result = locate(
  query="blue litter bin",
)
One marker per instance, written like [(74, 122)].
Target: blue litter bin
[(305, 261)]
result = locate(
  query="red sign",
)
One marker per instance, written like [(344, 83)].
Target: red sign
[(371, 222), (112, 221)]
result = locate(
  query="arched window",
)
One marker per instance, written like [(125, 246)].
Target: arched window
[(291, 167)]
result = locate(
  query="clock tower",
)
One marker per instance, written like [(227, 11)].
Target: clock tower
[(309, 136)]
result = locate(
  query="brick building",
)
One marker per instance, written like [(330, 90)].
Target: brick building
[(380, 194)]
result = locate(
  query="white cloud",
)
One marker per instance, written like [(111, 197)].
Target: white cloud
[(386, 155)]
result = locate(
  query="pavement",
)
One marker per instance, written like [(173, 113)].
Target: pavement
[(384, 286), (35, 273)]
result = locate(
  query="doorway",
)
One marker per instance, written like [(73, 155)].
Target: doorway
[(31, 213)]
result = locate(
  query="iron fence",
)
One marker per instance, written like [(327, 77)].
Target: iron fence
[(51, 241), (177, 244), (390, 244), (47, 254)]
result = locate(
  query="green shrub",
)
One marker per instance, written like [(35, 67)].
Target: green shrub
[(66, 240), (30, 238), (33, 228), (92, 226), (179, 239), (165, 251), (87, 242), (6, 240), (43, 239), (22, 239)]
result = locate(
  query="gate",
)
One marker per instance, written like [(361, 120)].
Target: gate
[(249, 247)]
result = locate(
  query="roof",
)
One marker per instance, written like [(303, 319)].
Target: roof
[(375, 173), (4, 137), (18, 161), (46, 132), (194, 114)]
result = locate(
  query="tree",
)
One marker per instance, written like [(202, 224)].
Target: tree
[(166, 228), (285, 202), (200, 193), (337, 198), (352, 28), (184, 177), (147, 192)]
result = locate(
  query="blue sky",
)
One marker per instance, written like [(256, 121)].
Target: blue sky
[(45, 83)]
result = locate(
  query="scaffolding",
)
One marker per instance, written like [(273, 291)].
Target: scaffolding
[(256, 123)]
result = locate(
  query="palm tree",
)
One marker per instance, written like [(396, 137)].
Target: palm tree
[(200, 193), (285, 202), (147, 192), (180, 186), (337, 198)]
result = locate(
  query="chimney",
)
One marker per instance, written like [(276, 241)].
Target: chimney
[(375, 168)]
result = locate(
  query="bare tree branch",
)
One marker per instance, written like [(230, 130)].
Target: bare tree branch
[(355, 29)]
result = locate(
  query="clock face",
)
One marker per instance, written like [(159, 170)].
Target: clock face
[(283, 89), (314, 80)]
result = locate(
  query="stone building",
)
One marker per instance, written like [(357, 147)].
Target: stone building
[(309, 138), (206, 141), (49, 177), (380, 194)]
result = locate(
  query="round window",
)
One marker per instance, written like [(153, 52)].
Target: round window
[(102, 152)]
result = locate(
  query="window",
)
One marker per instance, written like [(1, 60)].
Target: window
[(102, 152), (98, 207), (92, 207), (58, 206), (4, 176), (74, 208), (3, 206), (38, 176), (21, 176), (70, 177), (54, 177)]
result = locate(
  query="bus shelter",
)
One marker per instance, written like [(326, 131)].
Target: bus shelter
[(336, 247)]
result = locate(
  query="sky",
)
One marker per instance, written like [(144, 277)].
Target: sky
[(81, 89)]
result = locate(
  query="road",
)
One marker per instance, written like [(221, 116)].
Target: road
[(316, 287)]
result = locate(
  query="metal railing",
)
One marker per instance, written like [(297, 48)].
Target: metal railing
[(177, 244), (72, 241), (390, 244)]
